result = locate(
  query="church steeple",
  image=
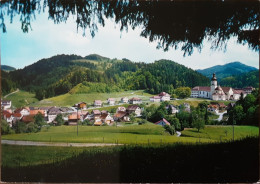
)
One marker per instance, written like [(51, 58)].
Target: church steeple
[(214, 77)]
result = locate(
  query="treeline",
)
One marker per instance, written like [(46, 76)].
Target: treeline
[(60, 74), (7, 84), (243, 80), (245, 110)]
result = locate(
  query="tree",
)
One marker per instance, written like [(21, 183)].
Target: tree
[(132, 117), (39, 120), (31, 127), (5, 128), (238, 114), (198, 124), (170, 129), (183, 92), (59, 119), (174, 122), (20, 127)]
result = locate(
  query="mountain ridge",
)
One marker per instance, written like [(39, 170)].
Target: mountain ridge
[(226, 70)]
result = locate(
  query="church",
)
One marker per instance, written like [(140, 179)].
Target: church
[(215, 92)]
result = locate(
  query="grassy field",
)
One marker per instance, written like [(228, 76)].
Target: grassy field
[(235, 162), (71, 99), (22, 98), (135, 134)]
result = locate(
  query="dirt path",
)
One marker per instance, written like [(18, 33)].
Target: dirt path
[(11, 93), (31, 143)]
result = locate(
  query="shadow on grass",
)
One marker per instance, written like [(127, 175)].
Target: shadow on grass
[(218, 162)]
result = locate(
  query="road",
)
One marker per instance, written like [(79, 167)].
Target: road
[(61, 144), (220, 115), (11, 93)]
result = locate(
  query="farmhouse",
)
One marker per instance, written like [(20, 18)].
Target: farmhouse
[(97, 103), (121, 116), (111, 101), (24, 111), (124, 100), (73, 119), (215, 92), (173, 109), (6, 104), (162, 122), (134, 109), (81, 105), (135, 100), (106, 118), (123, 109), (155, 99), (164, 96)]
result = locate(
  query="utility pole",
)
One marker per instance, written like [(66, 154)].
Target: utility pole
[(77, 120)]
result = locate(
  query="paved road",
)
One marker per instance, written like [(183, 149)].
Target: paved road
[(220, 115), (11, 93), (31, 143)]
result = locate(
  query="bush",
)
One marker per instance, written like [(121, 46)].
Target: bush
[(31, 127), (170, 129), (20, 127), (5, 128)]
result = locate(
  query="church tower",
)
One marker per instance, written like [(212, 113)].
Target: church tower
[(213, 84)]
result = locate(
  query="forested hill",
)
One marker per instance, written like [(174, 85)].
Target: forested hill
[(65, 73), (227, 70), (7, 68)]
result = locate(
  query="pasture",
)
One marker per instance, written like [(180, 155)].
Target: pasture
[(135, 134)]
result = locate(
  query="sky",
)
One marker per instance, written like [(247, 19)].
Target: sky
[(47, 39)]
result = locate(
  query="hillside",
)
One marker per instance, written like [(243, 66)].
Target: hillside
[(243, 80), (7, 68), (63, 73), (230, 69)]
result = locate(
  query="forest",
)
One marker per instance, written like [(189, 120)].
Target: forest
[(62, 73)]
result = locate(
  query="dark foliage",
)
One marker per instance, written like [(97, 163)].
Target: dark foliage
[(164, 163)]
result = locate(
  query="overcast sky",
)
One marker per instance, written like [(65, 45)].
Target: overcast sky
[(47, 39)]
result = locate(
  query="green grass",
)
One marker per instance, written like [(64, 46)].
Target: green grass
[(71, 99), (22, 98), (14, 155), (134, 134), (222, 133)]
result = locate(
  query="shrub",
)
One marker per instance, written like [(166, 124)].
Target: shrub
[(170, 129)]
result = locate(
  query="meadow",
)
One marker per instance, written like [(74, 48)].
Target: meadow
[(201, 162), (70, 99), (135, 134), (22, 98)]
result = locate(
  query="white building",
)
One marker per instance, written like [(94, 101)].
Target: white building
[(111, 101), (124, 100), (6, 104), (155, 99), (215, 92), (164, 96)]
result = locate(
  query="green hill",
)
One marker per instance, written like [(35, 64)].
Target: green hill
[(243, 80), (7, 68), (230, 69), (62, 73)]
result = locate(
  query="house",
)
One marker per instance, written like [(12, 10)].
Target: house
[(222, 106), (123, 109), (8, 117), (97, 103), (162, 122), (111, 101), (6, 104), (45, 110), (173, 108), (106, 118), (155, 99), (121, 116), (213, 108), (24, 111), (17, 117), (164, 96), (249, 89), (73, 119), (104, 112), (28, 119), (134, 109), (81, 105), (95, 114), (124, 100), (135, 100), (52, 114), (98, 122), (35, 112), (237, 94)]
